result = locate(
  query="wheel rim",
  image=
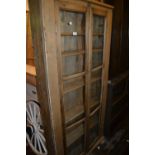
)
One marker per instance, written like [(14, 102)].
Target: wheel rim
[(34, 128)]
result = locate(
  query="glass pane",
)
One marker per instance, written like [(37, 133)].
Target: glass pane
[(73, 105), (98, 42), (72, 43), (95, 92), (75, 140), (98, 24), (73, 64), (96, 74), (94, 128), (72, 84), (72, 40), (72, 22), (97, 59)]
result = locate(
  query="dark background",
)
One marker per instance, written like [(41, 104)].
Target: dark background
[(119, 59)]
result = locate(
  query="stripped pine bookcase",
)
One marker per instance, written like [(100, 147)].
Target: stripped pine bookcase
[(71, 41)]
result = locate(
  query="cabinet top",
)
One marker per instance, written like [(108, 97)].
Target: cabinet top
[(92, 2), (100, 3)]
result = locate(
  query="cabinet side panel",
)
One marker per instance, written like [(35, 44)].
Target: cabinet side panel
[(43, 32)]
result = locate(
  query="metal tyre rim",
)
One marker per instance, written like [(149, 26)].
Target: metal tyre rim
[(34, 128)]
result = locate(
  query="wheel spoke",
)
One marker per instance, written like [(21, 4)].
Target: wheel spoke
[(34, 112), (39, 146), (29, 121), (30, 110), (42, 143), (29, 115), (32, 138), (35, 130), (35, 142), (42, 137), (41, 130)]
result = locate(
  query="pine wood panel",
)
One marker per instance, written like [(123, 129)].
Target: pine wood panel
[(42, 15)]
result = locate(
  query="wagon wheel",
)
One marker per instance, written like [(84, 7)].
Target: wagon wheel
[(34, 128)]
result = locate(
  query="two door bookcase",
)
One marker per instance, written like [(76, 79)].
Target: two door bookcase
[(71, 40)]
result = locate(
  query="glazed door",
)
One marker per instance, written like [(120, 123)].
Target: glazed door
[(72, 54), (99, 51), (81, 47), (96, 92)]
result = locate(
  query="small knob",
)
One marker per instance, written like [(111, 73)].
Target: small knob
[(70, 23)]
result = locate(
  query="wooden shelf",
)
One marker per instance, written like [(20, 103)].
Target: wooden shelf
[(113, 119), (124, 76), (78, 131), (95, 110), (31, 74), (100, 4), (97, 49), (97, 68), (73, 76), (94, 103), (71, 34), (30, 70), (118, 99), (98, 34), (95, 79), (74, 113), (72, 53), (73, 86), (74, 135)]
